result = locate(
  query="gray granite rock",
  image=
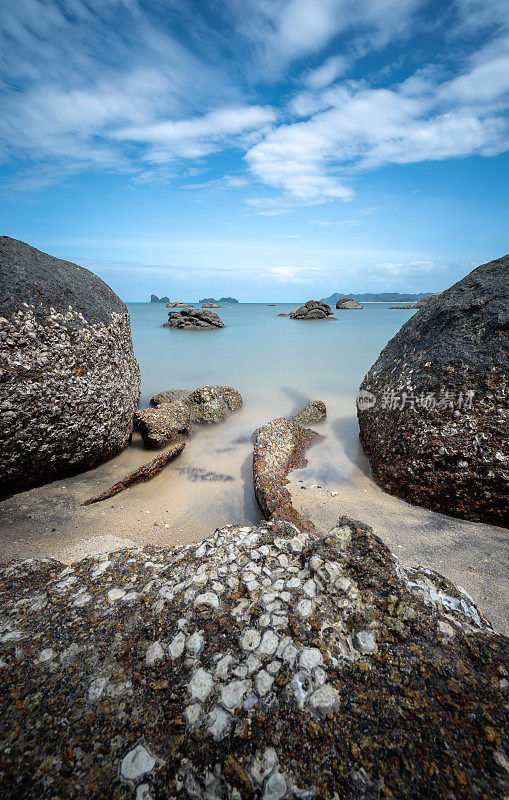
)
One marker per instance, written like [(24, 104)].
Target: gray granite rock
[(437, 434), (346, 303), (69, 381), (193, 319), (313, 309)]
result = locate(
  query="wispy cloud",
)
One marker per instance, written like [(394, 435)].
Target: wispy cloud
[(152, 89)]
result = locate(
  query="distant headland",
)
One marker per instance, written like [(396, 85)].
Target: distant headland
[(382, 297), (155, 299), (221, 300)]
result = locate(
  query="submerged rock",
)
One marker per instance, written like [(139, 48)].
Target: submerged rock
[(69, 381), (163, 424), (436, 434), (313, 309), (259, 663), (193, 319), (207, 404), (313, 412), (346, 303)]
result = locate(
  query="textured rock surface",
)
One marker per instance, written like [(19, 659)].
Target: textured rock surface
[(346, 303), (279, 448), (436, 450), (207, 404), (69, 381), (177, 305), (259, 663), (163, 424), (313, 309), (193, 319), (211, 305)]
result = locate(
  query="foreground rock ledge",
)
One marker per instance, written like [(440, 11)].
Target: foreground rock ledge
[(255, 664)]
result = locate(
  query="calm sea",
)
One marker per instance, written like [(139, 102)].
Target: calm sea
[(278, 365)]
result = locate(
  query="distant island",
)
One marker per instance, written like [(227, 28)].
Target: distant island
[(221, 300), (383, 297), (155, 299)]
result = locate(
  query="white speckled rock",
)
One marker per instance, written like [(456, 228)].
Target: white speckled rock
[(136, 763)]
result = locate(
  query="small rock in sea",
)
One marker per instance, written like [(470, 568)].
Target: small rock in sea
[(346, 303), (193, 319), (313, 309)]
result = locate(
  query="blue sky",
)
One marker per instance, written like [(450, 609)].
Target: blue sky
[(267, 149)]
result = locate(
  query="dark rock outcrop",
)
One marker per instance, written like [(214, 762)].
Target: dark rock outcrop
[(155, 299), (69, 381), (313, 309), (211, 305), (178, 305), (279, 448), (206, 405), (437, 435), (193, 319), (346, 303), (167, 422), (258, 663)]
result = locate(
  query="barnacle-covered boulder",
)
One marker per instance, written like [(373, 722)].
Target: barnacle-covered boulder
[(193, 319), (435, 431), (69, 381), (166, 423), (259, 663)]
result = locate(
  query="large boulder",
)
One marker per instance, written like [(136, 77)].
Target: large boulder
[(346, 303), (69, 381), (259, 663), (207, 404), (313, 309), (437, 433), (193, 319)]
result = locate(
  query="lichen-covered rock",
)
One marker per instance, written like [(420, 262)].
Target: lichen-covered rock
[(346, 303), (313, 309), (163, 424), (193, 319), (437, 435), (69, 381), (207, 404), (279, 448), (259, 663)]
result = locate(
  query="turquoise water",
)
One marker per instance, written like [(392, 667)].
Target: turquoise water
[(278, 365)]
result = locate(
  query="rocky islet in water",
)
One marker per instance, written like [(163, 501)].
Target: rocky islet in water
[(193, 319)]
